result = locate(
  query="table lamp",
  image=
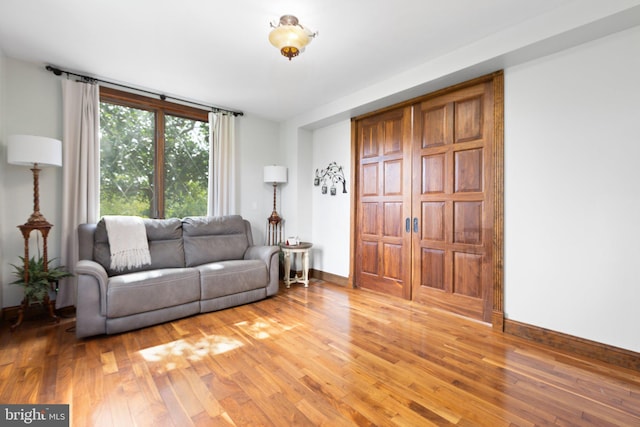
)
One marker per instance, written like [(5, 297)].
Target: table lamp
[(276, 175), (35, 151)]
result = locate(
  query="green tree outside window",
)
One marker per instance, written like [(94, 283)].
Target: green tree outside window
[(129, 166)]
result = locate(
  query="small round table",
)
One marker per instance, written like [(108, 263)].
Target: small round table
[(288, 250)]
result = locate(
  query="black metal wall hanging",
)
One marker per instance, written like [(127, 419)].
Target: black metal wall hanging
[(329, 177)]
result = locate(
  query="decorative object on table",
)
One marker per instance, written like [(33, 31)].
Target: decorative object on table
[(275, 175), (331, 175), (35, 151), (289, 36), (293, 241)]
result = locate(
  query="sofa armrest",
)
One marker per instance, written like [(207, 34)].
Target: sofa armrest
[(270, 256), (96, 271), (263, 253)]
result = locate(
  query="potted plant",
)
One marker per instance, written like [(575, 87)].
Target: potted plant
[(36, 288)]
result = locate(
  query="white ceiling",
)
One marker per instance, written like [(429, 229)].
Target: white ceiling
[(217, 52)]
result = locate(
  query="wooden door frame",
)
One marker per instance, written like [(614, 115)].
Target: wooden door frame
[(497, 79)]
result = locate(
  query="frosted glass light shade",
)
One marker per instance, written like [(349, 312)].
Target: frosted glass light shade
[(275, 174), (290, 40), (289, 36), (25, 150)]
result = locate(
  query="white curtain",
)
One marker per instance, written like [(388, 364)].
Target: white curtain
[(81, 173), (222, 186)]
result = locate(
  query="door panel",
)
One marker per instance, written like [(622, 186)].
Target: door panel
[(432, 268), (433, 178), (434, 228), (370, 179), (452, 161), (437, 120), (467, 269), (467, 222), (393, 177), (383, 246), (468, 125), (468, 170)]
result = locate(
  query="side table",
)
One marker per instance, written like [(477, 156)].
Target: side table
[(289, 250), (43, 227)]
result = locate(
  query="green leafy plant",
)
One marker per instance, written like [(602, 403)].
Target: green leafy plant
[(37, 285)]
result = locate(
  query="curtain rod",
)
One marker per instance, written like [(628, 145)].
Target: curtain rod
[(87, 79)]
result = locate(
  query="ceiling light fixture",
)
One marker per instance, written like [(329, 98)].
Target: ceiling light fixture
[(289, 36)]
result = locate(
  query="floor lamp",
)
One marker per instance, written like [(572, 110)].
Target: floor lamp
[(34, 151), (275, 175)]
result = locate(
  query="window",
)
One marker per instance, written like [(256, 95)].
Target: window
[(154, 157)]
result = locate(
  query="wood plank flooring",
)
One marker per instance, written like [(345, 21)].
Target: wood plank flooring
[(323, 355)]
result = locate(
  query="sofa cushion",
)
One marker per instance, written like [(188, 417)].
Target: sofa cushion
[(165, 245), (231, 277), (213, 239), (151, 290)]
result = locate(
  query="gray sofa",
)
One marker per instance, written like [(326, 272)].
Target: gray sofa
[(198, 264)]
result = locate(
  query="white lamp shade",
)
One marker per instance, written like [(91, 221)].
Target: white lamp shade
[(275, 174), (26, 150)]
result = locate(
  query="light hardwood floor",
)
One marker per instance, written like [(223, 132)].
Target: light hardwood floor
[(324, 355)]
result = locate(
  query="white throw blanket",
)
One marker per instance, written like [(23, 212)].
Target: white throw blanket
[(128, 242)]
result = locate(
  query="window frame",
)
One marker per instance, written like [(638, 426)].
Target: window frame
[(160, 108)]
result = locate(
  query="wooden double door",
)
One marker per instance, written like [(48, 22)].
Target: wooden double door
[(425, 200)]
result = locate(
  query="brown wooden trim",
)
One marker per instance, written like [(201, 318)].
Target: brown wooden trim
[(497, 320), (354, 204), (9, 314), (329, 277), (574, 345), (498, 202), (419, 99), (121, 97), (159, 168)]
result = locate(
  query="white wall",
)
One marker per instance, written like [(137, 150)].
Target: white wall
[(330, 218), (295, 195), (257, 146), (572, 191), (31, 101)]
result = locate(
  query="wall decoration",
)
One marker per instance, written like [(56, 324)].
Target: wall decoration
[(330, 176)]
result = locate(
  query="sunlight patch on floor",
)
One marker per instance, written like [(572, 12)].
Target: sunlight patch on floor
[(175, 354), (206, 346), (262, 328)]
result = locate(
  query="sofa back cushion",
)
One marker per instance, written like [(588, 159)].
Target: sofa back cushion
[(212, 239), (165, 245)]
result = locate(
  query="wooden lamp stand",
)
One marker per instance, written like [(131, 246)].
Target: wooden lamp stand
[(275, 175), (274, 234), (37, 222)]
